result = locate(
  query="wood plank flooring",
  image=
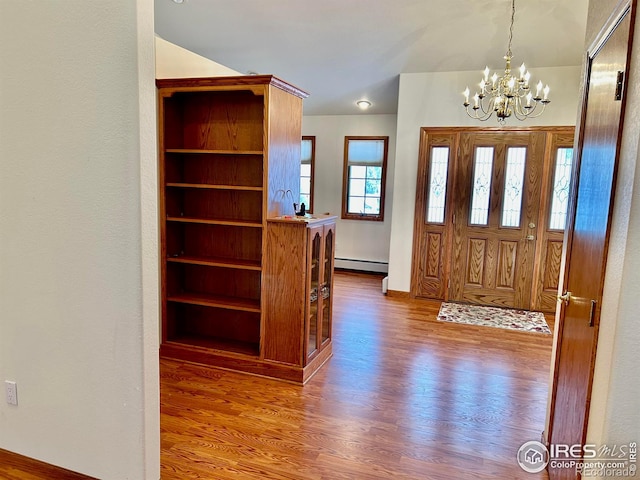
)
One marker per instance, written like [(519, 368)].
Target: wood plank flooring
[(404, 397), (18, 467)]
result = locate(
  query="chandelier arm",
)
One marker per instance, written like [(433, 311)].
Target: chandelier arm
[(522, 113), (475, 116), (522, 116), (482, 108), (532, 114), (491, 106)]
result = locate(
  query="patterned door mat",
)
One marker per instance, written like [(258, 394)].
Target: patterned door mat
[(509, 318)]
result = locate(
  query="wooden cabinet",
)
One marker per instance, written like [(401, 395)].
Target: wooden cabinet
[(299, 267), (229, 159), (320, 260)]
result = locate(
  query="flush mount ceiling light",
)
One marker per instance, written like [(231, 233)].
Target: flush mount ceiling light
[(363, 104), (178, 1), (509, 94)]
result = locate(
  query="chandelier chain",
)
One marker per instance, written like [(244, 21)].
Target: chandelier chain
[(513, 17)]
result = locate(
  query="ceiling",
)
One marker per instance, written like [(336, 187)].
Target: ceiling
[(343, 50)]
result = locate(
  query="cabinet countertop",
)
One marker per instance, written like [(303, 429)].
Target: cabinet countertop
[(307, 220)]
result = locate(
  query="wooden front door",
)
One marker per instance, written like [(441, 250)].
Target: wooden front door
[(497, 196), (586, 242), (444, 191)]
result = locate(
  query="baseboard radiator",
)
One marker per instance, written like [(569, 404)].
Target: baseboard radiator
[(362, 265)]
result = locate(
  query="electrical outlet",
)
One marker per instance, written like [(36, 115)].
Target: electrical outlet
[(12, 392)]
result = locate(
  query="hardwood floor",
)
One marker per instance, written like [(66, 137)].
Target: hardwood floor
[(18, 467), (404, 397)]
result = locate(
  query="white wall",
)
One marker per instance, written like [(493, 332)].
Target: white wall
[(355, 239), (78, 288), (434, 100), (173, 61)]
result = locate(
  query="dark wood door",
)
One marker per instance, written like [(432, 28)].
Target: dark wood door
[(494, 235), (587, 238)]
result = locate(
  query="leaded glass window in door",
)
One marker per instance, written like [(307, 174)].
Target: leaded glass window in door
[(513, 186), (481, 186), (560, 192), (438, 172)]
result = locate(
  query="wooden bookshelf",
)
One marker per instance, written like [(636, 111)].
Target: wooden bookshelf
[(229, 159)]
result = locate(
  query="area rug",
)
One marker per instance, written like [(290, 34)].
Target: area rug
[(511, 319)]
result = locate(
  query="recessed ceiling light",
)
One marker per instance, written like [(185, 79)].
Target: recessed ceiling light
[(363, 104), (178, 1)]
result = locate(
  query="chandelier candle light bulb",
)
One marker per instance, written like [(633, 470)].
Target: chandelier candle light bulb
[(508, 94)]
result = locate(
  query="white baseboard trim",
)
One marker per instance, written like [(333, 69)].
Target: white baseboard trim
[(362, 265)]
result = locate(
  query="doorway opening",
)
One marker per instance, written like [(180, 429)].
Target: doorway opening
[(490, 215)]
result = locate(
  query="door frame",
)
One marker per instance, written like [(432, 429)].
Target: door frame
[(625, 7), (442, 251)]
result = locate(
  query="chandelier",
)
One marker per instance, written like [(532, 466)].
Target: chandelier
[(509, 94)]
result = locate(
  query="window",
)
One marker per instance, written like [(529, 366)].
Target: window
[(307, 165), (365, 170), (513, 186), (438, 171), (482, 172), (560, 192)]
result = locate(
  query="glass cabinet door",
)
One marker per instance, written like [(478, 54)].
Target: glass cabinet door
[(326, 284), (314, 293)]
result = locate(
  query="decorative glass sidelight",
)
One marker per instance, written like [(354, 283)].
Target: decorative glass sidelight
[(513, 186), (438, 172), (560, 192), (481, 187)]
